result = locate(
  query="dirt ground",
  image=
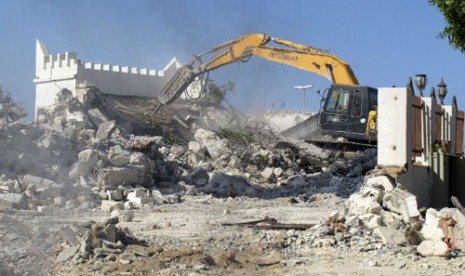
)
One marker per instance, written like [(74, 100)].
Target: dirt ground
[(188, 238)]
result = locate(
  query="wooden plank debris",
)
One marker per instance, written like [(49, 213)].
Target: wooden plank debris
[(271, 224)]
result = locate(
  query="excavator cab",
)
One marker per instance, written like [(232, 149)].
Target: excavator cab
[(349, 111)]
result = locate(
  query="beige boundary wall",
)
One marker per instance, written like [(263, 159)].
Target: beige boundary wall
[(425, 164)]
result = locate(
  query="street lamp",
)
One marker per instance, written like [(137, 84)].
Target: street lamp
[(303, 88), (420, 82), (442, 90)]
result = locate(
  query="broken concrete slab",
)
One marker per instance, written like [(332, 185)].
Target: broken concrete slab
[(196, 152), (452, 223), (216, 147), (112, 177), (430, 248), (223, 185), (39, 182), (360, 205), (381, 181), (139, 199), (144, 143), (268, 175), (104, 130), (431, 229), (96, 116), (118, 156), (67, 253), (402, 202), (391, 237), (87, 163)]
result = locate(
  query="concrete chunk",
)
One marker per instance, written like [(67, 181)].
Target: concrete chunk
[(104, 130), (67, 253), (139, 199), (431, 229), (403, 203), (118, 156), (109, 205), (361, 205), (381, 181), (391, 237), (96, 116), (123, 215), (433, 248)]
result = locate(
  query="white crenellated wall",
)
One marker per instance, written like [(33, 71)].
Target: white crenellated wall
[(57, 71)]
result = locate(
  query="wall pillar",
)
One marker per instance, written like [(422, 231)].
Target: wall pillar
[(394, 127)]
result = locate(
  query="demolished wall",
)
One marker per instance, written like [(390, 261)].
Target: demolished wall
[(64, 70)]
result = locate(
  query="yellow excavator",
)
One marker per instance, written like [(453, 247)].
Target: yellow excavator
[(347, 111)]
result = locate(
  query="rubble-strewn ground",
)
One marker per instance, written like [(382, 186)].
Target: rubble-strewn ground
[(103, 186), (188, 239)]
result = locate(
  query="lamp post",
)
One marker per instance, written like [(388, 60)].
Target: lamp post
[(303, 88), (442, 90), (420, 81)]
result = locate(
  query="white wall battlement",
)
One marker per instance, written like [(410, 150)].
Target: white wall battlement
[(64, 70)]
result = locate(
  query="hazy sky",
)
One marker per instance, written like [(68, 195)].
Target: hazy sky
[(385, 42)]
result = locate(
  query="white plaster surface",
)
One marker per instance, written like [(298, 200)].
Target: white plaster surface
[(57, 71), (394, 126)]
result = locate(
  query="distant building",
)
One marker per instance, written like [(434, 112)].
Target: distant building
[(57, 71)]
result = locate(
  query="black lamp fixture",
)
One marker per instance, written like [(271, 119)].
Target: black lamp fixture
[(442, 90), (420, 81)]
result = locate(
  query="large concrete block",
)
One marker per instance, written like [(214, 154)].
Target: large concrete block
[(138, 199), (118, 156), (402, 202), (112, 177), (431, 229), (215, 146), (382, 181), (360, 205), (433, 248), (96, 116)]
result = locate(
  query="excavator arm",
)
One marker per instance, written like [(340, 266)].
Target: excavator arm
[(243, 47)]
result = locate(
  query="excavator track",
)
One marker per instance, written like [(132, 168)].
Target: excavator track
[(310, 132)]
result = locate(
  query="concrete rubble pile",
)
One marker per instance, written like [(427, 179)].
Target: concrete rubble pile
[(443, 232), (95, 240), (380, 215), (81, 155), (383, 215), (279, 169)]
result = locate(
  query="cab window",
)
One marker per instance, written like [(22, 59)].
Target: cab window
[(357, 103), (339, 101)]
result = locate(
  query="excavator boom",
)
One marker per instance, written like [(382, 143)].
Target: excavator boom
[(243, 47)]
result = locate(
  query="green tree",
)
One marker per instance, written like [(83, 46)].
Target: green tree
[(215, 94), (454, 13)]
